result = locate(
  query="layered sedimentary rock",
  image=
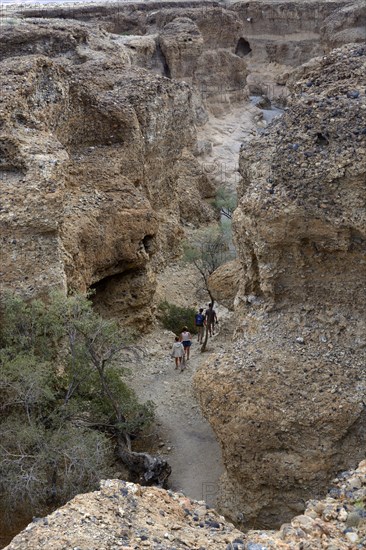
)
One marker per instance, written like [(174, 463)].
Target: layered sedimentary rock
[(124, 515), (278, 36), (221, 47), (97, 172), (190, 41), (287, 402), (96, 166)]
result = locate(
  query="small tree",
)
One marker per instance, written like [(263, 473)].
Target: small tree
[(225, 202), (63, 403), (210, 250)]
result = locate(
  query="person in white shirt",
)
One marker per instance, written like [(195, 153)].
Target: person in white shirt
[(186, 340), (177, 352)]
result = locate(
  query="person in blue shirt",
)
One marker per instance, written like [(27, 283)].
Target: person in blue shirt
[(199, 321)]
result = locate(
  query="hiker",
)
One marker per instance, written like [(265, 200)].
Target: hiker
[(199, 321), (178, 353), (186, 340), (211, 319)]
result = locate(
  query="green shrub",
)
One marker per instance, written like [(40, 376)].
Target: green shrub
[(225, 201), (174, 317), (63, 401)]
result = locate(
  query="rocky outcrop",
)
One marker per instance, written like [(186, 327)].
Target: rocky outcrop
[(221, 48), (96, 167), (174, 39), (337, 522), (287, 402), (98, 176), (224, 283), (124, 515), (346, 24), (129, 516), (283, 35), (217, 73)]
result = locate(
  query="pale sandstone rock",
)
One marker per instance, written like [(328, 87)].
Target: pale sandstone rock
[(129, 516), (182, 44), (45, 248), (262, 39), (287, 399), (347, 24), (224, 283), (97, 171)]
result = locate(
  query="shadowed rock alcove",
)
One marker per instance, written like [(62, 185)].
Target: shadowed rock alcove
[(243, 48), (126, 296)]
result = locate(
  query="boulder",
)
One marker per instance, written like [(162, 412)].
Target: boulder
[(224, 283)]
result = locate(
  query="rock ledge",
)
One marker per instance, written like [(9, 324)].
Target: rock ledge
[(125, 515)]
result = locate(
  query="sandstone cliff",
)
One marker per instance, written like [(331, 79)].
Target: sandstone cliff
[(97, 160), (124, 515), (346, 24), (287, 402), (221, 47), (96, 167)]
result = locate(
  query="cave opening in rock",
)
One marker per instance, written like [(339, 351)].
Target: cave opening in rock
[(243, 48), (148, 243), (124, 293), (105, 291)]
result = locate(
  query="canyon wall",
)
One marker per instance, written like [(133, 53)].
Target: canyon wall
[(96, 167), (223, 49), (98, 116), (98, 177), (287, 399)]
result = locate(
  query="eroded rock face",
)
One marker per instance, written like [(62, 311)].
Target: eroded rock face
[(182, 44), (215, 71), (224, 283), (124, 515), (224, 50), (347, 24), (287, 401), (96, 167)]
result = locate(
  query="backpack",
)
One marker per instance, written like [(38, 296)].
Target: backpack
[(199, 318)]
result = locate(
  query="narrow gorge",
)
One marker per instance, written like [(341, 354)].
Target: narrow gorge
[(120, 124)]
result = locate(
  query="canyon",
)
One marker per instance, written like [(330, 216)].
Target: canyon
[(118, 123)]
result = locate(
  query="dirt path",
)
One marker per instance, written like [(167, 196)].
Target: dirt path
[(182, 435)]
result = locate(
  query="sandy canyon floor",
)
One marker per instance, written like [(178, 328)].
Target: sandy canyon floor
[(182, 435)]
